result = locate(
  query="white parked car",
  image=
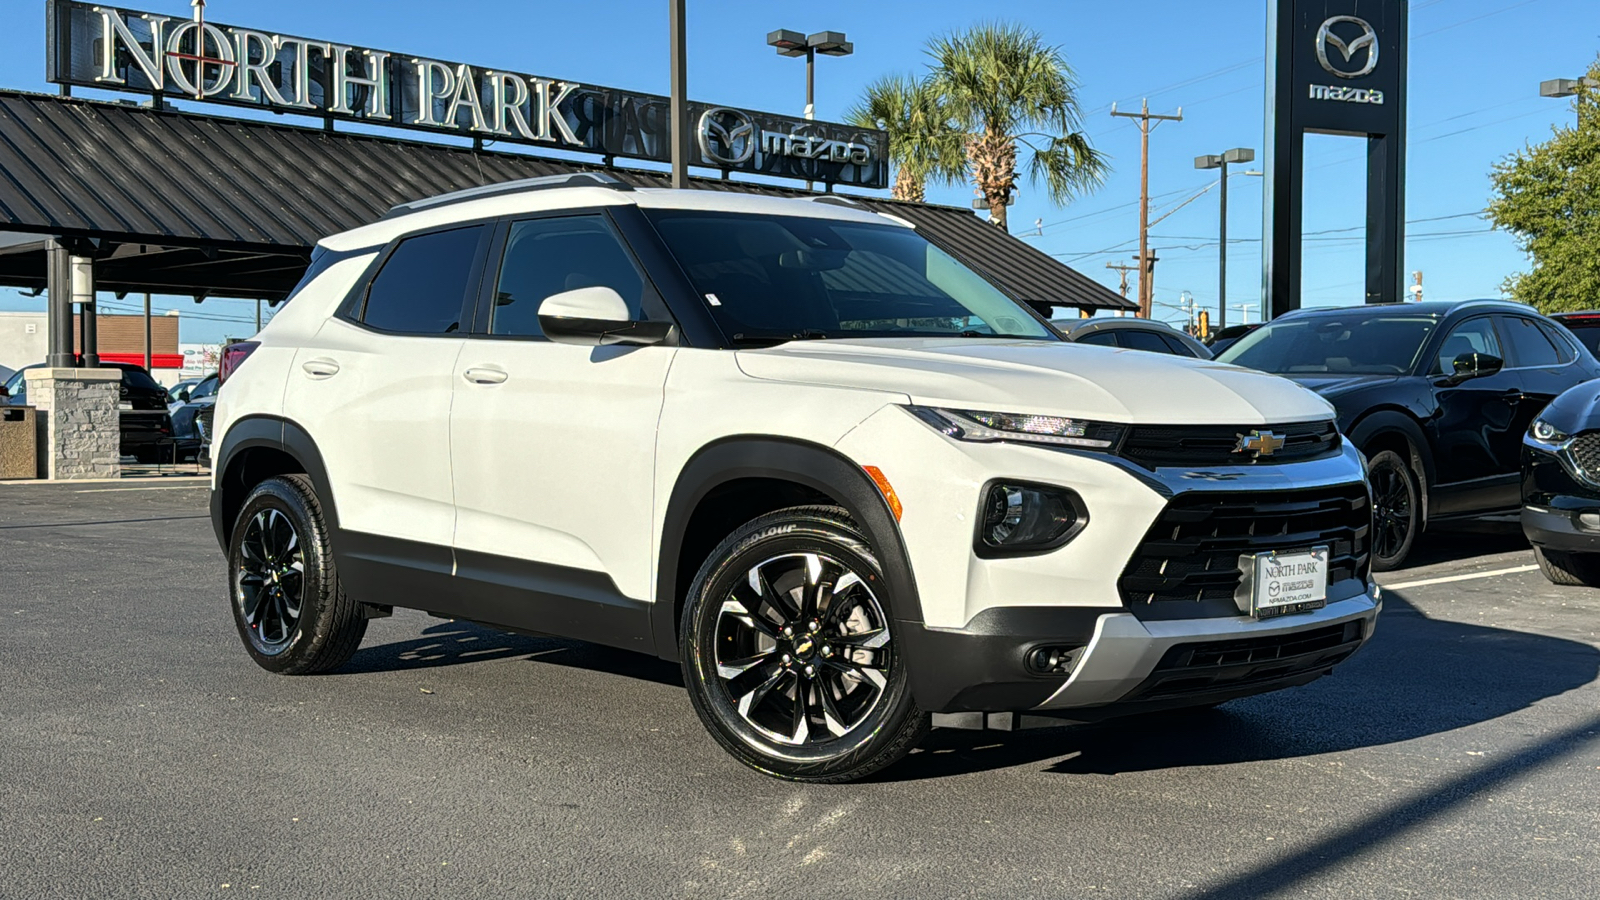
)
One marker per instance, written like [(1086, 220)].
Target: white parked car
[(850, 485)]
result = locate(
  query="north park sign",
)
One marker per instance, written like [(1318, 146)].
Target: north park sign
[(112, 48)]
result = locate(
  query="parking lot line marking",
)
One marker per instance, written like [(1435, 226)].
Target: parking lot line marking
[(164, 487), (1449, 578)]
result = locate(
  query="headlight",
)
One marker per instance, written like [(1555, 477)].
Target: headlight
[(974, 425), (1019, 518), (1544, 432)]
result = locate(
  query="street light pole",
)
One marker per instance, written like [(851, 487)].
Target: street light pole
[(679, 105), (1221, 161)]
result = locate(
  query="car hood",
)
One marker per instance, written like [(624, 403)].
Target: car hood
[(1334, 385), (1081, 380)]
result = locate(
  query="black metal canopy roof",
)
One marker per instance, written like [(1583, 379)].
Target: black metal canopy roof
[(180, 203)]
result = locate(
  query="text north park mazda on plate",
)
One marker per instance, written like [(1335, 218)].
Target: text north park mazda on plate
[(795, 446)]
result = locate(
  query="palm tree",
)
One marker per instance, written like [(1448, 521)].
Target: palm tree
[(922, 143), (1004, 86)]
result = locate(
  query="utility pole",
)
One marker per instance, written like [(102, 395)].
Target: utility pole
[(1123, 270), (1147, 265), (679, 102), (1416, 287)]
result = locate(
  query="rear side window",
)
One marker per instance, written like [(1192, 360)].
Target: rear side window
[(1529, 346), (422, 287), (1562, 339)]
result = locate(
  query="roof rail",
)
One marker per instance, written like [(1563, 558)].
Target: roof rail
[(575, 179), (835, 200)]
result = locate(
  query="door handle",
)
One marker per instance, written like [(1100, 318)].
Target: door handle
[(485, 375), (320, 368)]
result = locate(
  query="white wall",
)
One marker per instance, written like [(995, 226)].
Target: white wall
[(18, 345)]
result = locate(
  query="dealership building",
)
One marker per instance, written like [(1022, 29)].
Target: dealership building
[(133, 196)]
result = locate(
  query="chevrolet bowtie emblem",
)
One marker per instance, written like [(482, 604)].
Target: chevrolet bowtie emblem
[(1259, 443)]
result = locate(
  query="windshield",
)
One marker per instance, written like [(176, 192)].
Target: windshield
[(774, 278), (1352, 345)]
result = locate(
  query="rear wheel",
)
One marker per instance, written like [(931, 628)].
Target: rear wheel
[(1396, 509), (1574, 569), (789, 650), (291, 612)]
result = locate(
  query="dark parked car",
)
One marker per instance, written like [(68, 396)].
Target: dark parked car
[(1131, 334), (146, 426), (1223, 338), (191, 418), (1585, 326), (1437, 395), (1561, 487)]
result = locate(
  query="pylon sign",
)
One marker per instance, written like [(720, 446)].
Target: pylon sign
[(1336, 67)]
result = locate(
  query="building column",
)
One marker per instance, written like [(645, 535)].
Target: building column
[(80, 423), (83, 295), (58, 278)]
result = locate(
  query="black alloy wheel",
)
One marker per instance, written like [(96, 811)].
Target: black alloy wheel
[(291, 613), (789, 651), (1396, 509)]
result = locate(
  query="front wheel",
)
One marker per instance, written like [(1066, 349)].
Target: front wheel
[(1570, 569), (1396, 509), (292, 615), (789, 650)]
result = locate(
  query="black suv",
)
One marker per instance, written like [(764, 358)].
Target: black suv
[(1437, 395), (142, 404)]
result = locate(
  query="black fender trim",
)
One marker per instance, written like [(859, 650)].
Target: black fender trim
[(814, 466), (278, 434), (1394, 421)]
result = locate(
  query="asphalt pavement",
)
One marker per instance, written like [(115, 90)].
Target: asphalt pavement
[(142, 754)]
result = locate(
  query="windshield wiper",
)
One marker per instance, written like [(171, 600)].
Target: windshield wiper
[(804, 334)]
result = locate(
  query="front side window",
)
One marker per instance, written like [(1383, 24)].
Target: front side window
[(1100, 339), (1358, 344), (422, 287), (1472, 336), (1149, 341), (205, 388), (773, 278), (550, 256)]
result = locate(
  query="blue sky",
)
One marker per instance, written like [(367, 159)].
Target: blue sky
[(1475, 68)]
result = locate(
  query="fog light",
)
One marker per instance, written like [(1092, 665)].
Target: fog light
[(1028, 518), (1053, 660), (1589, 520)]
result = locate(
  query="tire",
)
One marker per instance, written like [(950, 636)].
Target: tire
[(788, 679), (1396, 509), (1571, 569), (291, 612)]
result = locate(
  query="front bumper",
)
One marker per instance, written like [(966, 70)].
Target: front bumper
[(1127, 665), (1560, 508)]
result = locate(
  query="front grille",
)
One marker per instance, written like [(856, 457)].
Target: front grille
[(1247, 664), (1586, 455), (1217, 445), (202, 422), (1187, 566)]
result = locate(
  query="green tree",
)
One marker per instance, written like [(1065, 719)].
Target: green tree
[(1004, 87), (1548, 195), (922, 143)]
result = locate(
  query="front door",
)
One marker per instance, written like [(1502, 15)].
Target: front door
[(1475, 420), (554, 444)]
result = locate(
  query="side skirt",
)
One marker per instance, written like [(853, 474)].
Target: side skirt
[(498, 591)]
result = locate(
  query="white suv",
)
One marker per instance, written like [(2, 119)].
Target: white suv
[(850, 484)]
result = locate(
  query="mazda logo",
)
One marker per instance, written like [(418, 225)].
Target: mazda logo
[(1368, 39), (727, 136)]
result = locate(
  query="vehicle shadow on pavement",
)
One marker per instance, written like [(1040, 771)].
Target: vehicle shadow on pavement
[(1416, 677), (452, 642), (1455, 541)]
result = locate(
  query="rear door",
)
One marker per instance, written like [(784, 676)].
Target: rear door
[(373, 389), (554, 443)]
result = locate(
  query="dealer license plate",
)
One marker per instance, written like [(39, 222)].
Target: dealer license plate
[(1280, 583)]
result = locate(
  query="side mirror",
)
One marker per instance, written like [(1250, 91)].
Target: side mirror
[(183, 396), (595, 317), (1475, 365)]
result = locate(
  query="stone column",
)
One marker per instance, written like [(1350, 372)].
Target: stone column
[(81, 430)]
